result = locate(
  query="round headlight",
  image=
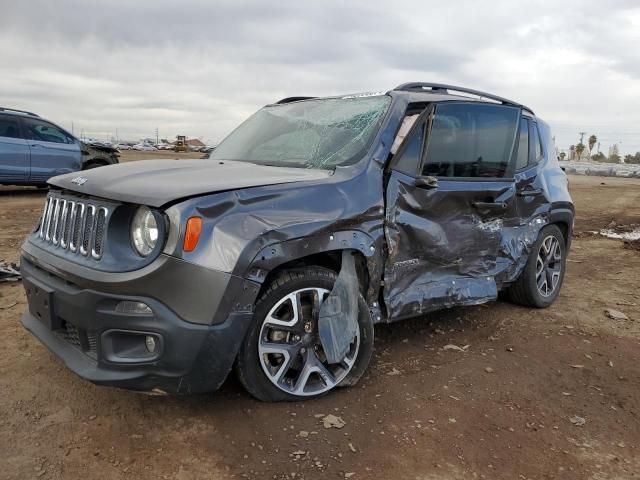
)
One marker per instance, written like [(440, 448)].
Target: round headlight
[(144, 231)]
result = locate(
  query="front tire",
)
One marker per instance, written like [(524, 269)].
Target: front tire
[(281, 358), (539, 283)]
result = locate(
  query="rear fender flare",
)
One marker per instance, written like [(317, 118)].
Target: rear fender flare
[(564, 216)]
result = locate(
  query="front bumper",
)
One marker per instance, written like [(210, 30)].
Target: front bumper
[(78, 321)]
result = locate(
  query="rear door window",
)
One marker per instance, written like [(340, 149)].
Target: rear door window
[(471, 140), (9, 127)]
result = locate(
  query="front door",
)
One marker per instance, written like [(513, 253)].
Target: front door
[(14, 151), (450, 194), (53, 151)]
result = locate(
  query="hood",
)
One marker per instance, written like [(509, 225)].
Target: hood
[(156, 182)]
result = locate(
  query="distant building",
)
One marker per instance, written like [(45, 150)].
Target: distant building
[(194, 142)]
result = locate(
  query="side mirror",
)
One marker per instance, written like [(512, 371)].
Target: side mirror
[(426, 182)]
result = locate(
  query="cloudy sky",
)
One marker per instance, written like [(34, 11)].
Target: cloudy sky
[(200, 67)]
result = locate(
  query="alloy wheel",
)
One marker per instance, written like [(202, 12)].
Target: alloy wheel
[(548, 266), (289, 347)]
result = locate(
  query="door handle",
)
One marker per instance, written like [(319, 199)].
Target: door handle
[(490, 205), (529, 192)]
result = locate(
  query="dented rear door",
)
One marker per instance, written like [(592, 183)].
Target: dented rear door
[(445, 219)]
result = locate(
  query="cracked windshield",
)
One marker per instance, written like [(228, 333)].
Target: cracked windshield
[(322, 133)]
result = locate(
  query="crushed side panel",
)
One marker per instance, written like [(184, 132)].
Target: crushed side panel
[(444, 253)]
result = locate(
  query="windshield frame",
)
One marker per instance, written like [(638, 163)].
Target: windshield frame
[(365, 151)]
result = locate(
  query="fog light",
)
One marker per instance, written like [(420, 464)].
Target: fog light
[(137, 308), (150, 342)]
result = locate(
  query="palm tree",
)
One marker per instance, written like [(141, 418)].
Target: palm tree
[(579, 150), (592, 142)]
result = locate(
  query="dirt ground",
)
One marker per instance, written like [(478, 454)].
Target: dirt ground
[(536, 394)]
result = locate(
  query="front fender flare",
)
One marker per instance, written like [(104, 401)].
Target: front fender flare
[(277, 254)]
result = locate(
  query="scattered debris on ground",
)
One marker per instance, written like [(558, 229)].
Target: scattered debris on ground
[(9, 272), (577, 421), (627, 232), (456, 348), (331, 421), (615, 314)]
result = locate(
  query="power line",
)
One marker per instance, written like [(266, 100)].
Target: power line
[(582, 134)]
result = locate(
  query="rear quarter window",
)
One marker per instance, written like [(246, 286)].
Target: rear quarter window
[(537, 144), (522, 157)]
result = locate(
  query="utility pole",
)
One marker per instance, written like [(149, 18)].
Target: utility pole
[(157, 141), (582, 134)]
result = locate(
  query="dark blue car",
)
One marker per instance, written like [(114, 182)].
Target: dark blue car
[(312, 222)]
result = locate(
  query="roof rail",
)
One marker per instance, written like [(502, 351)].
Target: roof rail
[(292, 99), (443, 88), (5, 109)]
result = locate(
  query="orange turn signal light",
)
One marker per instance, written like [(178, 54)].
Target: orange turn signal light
[(192, 234)]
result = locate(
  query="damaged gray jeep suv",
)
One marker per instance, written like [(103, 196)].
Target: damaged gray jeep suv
[(311, 222)]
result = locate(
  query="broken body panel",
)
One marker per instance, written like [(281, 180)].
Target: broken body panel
[(431, 248), (415, 243)]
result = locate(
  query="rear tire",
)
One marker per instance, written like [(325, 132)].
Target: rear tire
[(539, 283), (272, 376)]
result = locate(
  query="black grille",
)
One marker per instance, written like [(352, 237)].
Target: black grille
[(75, 225), (83, 340), (100, 221), (71, 334), (88, 228), (67, 227), (92, 340)]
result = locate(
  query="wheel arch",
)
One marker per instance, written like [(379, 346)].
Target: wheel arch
[(563, 219), (323, 251)]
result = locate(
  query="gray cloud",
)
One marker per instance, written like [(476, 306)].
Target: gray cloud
[(200, 67)]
